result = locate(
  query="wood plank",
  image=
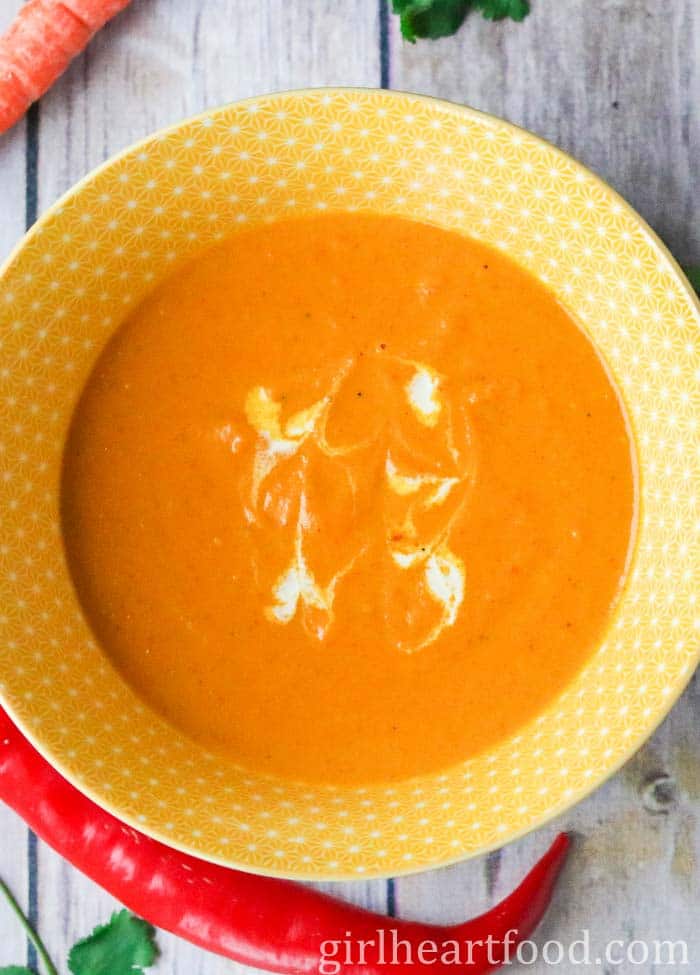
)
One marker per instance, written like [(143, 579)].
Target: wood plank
[(616, 83), (13, 870), (159, 62), (12, 165), (155, 64), (633, 872), (13, 833)]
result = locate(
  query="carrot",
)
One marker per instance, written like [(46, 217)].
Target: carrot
[(39, 45)]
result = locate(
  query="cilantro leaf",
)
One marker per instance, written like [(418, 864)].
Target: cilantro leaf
[(498, 9), (430, 18), (16, 970), (439, 18), (123, 946), (693, 275)]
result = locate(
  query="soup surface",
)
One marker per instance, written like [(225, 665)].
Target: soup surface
[(348, 498)]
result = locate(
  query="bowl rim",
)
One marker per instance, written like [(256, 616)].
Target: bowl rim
[(636, 741), (444, 103)]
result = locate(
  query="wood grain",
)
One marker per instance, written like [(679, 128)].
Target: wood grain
[(617, 83), (634, 868), (159, 62), (13, 834)]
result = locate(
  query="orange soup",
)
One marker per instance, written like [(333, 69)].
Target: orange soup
[(348, 498)]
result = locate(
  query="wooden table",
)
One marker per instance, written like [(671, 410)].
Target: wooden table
[(615, 82)]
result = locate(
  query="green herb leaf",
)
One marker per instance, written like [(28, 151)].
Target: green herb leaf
[(124, 946), (498, 9), (16, 970), (440, 18), (430, 18), (693, 275)]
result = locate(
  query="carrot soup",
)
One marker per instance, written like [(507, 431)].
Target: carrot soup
[(348, 498)]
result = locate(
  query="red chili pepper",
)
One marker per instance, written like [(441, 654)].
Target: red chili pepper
[(273, 924)]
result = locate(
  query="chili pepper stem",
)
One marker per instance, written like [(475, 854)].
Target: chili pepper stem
[(41, 951)]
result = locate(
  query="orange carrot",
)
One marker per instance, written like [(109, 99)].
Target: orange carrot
[(39, 45)]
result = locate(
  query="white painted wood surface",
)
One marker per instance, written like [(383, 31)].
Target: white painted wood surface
[(13, 836), (616, 82)]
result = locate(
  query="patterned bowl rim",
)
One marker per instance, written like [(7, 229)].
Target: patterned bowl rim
[(681, 682)]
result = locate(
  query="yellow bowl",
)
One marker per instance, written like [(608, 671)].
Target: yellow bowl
[(91, 258)]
